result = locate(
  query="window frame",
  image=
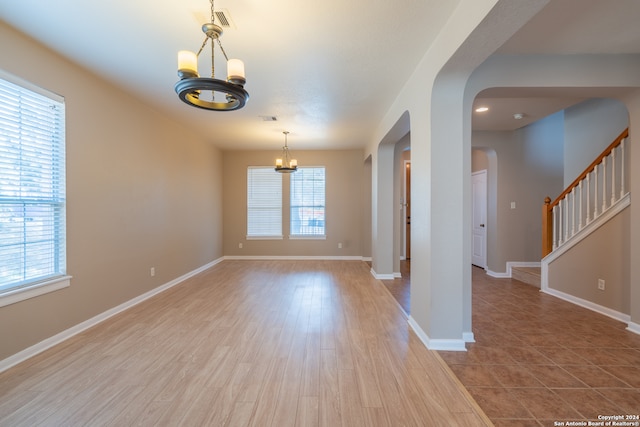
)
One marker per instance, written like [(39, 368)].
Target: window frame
[(58, 279), (322, 236), (278, 206)]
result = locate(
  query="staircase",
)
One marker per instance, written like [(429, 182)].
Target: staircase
[(528, 275), (593, 199), (593, 195)]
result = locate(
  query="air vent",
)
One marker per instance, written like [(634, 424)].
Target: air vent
[(269, 118), (223, 18)]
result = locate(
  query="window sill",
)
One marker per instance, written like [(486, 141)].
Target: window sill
[(264, 237), (301, 237), (20, 294)]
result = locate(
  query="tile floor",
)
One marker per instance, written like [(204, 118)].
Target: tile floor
[(538, 360)]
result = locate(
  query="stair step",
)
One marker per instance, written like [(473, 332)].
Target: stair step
[(528, 275)]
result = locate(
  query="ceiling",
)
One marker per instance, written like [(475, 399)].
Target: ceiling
[(319, 68)]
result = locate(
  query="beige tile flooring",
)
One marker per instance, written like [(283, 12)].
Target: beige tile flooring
[(538, 360)]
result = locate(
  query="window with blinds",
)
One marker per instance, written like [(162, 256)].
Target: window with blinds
[(264, 203), (32, 186), (307, 203)]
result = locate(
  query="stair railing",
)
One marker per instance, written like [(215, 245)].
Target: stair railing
[(589, 196)]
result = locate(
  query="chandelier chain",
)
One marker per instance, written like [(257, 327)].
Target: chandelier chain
[(222, 49)]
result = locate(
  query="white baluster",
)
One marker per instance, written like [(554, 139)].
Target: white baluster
[(566, 218), (580, 210), (595, 192), (573, 211), (604, 184), (588, 198), (560, 219), (622, 167), (613, 177), (555, 227)]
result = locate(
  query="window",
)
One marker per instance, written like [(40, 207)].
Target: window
[(307, 203), (264, 203), (32, 191)]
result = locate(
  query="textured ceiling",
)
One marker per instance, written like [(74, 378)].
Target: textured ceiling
[(324, 69), (319, 67)]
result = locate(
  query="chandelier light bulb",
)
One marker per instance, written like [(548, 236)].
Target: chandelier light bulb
[(187, 64)]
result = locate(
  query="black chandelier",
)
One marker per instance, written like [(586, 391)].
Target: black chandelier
[(286, 164), (191, 86)]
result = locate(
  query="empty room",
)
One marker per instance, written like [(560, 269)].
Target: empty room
[(219, 212)]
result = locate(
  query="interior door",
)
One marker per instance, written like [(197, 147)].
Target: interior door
[(479, 219), (407, 209)]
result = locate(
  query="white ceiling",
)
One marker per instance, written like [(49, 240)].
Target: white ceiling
[(563, 27), (321, 68)]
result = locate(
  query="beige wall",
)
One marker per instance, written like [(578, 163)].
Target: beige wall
[(603, 255), (142, 192), (345, 204), (479, 160), (528, 168)]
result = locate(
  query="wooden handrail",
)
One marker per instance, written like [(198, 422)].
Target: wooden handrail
[(547, 228), (547, 208), (591, 167)]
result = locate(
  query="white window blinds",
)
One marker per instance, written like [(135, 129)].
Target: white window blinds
[(264, 203), (32, 185), (308, 202)]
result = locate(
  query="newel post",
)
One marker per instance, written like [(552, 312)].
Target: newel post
[(547, 227)]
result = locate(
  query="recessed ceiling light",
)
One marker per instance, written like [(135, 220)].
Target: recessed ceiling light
[(518, 116), (482, 109)]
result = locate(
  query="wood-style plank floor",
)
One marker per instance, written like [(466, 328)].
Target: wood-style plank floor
[(246, 343)]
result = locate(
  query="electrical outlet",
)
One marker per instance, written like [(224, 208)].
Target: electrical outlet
[(240, 245), (601, 284), (152, 272)]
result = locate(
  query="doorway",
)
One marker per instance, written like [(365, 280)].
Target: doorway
[(407, 209), (479, 219)]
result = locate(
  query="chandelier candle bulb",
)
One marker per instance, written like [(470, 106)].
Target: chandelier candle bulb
[(235, 72), (187, 64), (294, 163), (279, 163)]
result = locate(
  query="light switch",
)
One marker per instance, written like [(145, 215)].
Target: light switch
[(513, 205)]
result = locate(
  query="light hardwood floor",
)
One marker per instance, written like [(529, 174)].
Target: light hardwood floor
[(260, 343)]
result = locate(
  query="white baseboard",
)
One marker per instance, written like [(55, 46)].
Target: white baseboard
[(510, 265), (293, 257), (625, 318), (74, 330), (380, 276), (498, 275), (436, 344), (468, 337), (397, 275), (633, 327)]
